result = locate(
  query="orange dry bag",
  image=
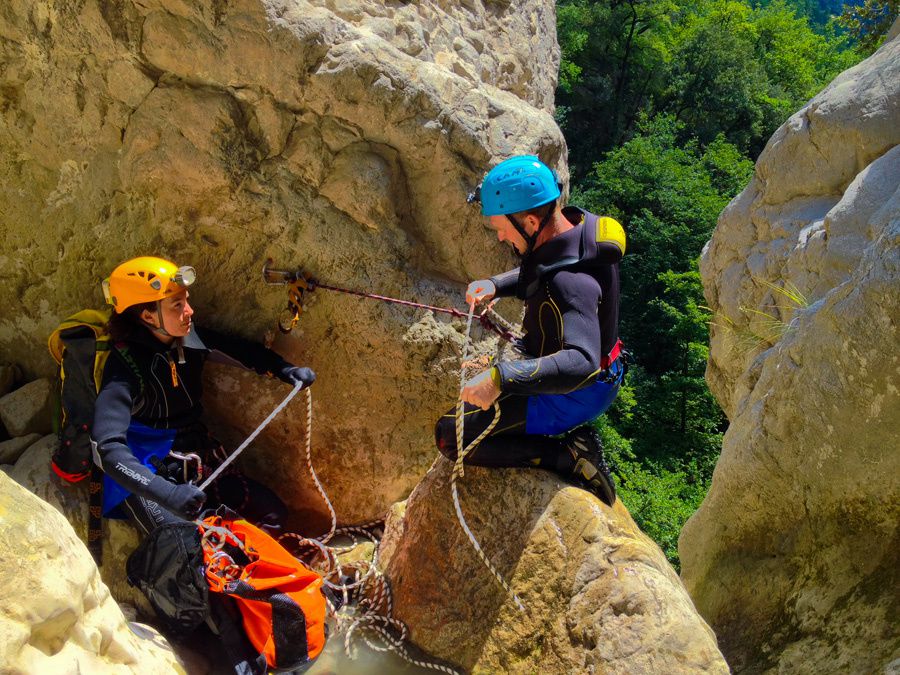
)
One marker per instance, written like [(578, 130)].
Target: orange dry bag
[(281, 600)]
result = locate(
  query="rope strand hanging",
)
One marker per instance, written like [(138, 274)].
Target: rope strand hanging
[(362, 580), (458, 468), (366, 583)]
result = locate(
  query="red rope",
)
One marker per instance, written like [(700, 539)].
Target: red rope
[(482, 318)]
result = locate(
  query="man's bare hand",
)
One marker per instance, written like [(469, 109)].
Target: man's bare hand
[(481, 390)]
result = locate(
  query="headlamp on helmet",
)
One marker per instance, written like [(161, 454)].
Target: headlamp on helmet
[(145, 279), (185, 276)]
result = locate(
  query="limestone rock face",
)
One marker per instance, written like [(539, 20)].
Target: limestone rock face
[(56, 615), (792, 558), (339, 136), (27, 409), (33, 472), (821, 194), (599, 594)]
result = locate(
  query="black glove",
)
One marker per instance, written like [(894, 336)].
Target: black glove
[(185, 500), (294, 374)]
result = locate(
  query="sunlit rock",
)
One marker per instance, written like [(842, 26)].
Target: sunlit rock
[(792, 558), (599, 595)]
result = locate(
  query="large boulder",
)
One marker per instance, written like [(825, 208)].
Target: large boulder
[(599, 595), (337, 136), (120, 538), (792, 558), (56, 615), (11, 450), (8, 376)]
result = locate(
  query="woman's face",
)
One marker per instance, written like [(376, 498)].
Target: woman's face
[(176, 315)]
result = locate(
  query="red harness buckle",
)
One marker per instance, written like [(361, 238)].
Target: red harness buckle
[(610, 358)]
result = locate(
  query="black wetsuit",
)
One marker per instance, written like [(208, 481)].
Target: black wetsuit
[(151, 402), (572, 370)]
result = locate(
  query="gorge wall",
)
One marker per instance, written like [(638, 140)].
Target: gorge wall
[(337, 136), (793, 556)]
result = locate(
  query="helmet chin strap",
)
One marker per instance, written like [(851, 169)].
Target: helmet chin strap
[(531, 239), (161, 330)]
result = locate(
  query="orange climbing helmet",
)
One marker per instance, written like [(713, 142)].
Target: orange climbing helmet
[(145, 279)]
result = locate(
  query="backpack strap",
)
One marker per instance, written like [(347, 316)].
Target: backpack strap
[(123, 351), (95, 514)]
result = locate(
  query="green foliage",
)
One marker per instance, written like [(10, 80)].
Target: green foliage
[(665, 429), (819, 12), (669, 195), (721, 67), (741, 72), (665, 105), (660, 500), (614, 59), (869, 22)]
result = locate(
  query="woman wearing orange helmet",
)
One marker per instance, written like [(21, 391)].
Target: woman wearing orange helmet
[(149, 404)]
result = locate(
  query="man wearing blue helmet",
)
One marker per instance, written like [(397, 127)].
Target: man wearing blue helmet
[(572, 370)]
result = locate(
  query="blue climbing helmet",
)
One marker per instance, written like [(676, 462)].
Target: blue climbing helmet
[(518, 184)]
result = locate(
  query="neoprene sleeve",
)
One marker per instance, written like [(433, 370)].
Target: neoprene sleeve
[(240, 352), (575, 297), (505, 283)]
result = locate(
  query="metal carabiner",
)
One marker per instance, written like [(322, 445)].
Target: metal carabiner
[(185, 459)]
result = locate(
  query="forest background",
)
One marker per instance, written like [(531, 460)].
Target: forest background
[(665, 107)]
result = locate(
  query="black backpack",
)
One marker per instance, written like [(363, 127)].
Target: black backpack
[(80, 346), (168, 567)]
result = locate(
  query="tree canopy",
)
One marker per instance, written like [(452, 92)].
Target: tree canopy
[(665, 107), (722, 67)]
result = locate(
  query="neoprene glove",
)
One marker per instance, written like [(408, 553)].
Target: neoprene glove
[(294, 374), (184, 500), (480, 291)]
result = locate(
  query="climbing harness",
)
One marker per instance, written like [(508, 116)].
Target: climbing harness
[(358, 581), (459, 471), (300, 283)]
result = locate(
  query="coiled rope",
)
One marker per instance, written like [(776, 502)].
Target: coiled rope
[(362, 579), (374, 609)]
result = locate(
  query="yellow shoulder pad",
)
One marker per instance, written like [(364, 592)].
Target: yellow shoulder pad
[(610, 231)]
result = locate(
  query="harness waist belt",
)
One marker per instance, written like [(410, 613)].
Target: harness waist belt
[(610, 358)]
